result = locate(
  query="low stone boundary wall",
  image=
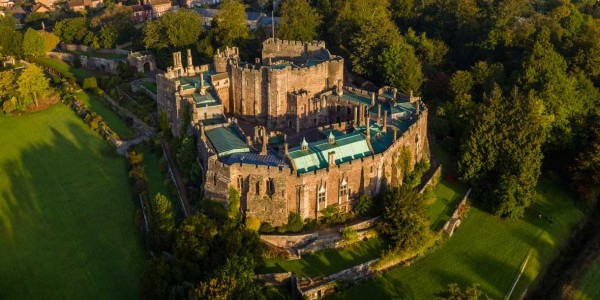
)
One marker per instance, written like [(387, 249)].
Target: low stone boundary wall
[(89, 62), (458, 214), (289, 241), (435, 177), (364, 224), (271, 279)]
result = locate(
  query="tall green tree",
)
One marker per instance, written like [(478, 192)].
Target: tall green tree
[(33, 84), (163, 221), (585, 172), (502, 153), (173, 29), (299, 21), (72, 30), (50, 41), (8, 88), (230, 24), (10, 41), (404, 221), (33, 44), (400, 67)]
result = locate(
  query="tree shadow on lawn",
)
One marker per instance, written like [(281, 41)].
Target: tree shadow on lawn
[(39, 217), (494, 276)]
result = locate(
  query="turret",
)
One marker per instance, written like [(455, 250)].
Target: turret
[(304, 145)]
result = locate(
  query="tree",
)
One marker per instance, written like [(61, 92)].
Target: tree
[(455, 293), (33, 44), (7, 85), (32, 85), (294, 223), (163, 221), (233, 207), (299, 21), (71, 30), (173, 29), (431, 52), (230, 24), (10, 42), (401, 68), (585, 172), (50, 41), (8, 21), (404, 221), (502, 153), (186, 154), (363, 205), (90, 83), (333, 215), (108, 36), (252, 223)]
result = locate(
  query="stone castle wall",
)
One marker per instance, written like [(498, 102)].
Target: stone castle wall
[(293, 50), (298, 192)]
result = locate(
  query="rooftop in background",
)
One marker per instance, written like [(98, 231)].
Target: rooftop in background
[(356, 98), (397, 108), (226, 141), (347, 147)]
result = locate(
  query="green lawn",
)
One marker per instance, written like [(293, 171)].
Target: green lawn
[(155, 179), (446, 197), (101, 54), (110, 117), (326, 262), (67, 228), (151, 86), (485, 250), (590, 285), (63, 68)]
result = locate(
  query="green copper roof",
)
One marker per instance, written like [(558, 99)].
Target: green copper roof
[(402, 107), (226, 141), (347, 147), (359, 99), (208, 99)]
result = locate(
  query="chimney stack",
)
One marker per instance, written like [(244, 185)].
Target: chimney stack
[(257, 61), (384, 121), (368, 128), (355, 109), (249, 141), (255, 133), (379, 113), (394, 94), (372, 99), (395, 133), (189, 58), (418, 108), (263, 151), (285, 149), (331, 158)]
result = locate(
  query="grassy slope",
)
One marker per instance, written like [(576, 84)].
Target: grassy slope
[(62, 67), (109, 116), (326, 262), (590, 285), (66, 215), (485, 250)]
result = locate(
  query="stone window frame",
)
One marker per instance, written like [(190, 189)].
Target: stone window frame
[(270, 183), (343, 188), (322, 196)]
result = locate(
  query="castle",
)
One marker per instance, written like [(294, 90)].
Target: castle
[(286, 134)]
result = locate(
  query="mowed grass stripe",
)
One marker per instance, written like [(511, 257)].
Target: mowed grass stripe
[(66, 214), (486, 250)]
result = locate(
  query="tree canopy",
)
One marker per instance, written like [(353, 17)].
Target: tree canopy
[(177, 29), (33, 44), (229, 25), (32, 85), (299, 21)]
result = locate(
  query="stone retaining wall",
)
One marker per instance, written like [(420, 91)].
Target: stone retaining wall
[(289, 241), (458, 214), (271, 279)]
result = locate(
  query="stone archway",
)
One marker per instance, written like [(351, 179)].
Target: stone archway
[(147, 67)]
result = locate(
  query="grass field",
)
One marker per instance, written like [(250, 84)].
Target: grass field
[(63, 68), (67, 228), (151, 86), (109, 116), (590, 285), (485, 250), (326, 262)]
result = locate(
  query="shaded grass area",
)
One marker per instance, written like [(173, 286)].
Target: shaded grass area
[(155, 180), (114, 56), (589, 287), (151, 86), (110, 117), (63, 68), (485, 250), (326, 262), (67, 228), (443, 201)]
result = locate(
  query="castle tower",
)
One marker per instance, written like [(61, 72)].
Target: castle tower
[(190, 65)]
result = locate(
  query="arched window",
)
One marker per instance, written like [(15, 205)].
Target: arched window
[(215, 179), (258, 187), (321, 197), (343, 188)]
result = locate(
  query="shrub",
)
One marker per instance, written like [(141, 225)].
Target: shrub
[(294, 223), (9, 105), (363, 205), (266, 228), (90, 83), (281, 229), (349, 236), (333, 215), (310, 224), (253, 223)]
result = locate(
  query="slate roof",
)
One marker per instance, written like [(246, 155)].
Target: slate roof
[(255, 159), (347, 147), (226, 141), (356, 98)]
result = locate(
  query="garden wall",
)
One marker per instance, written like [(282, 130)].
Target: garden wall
[(273, 278), (289, 241)]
